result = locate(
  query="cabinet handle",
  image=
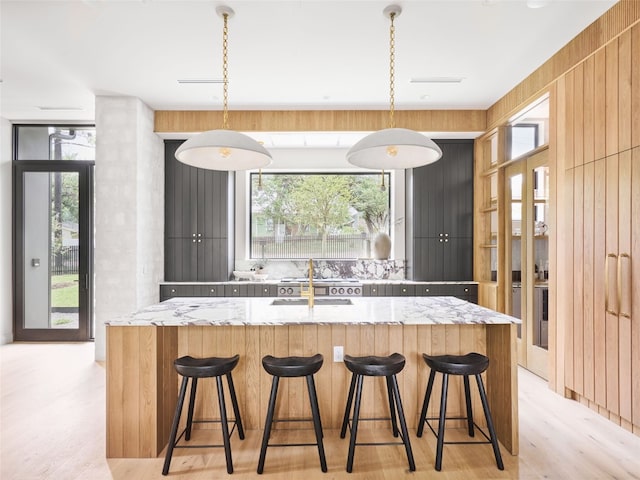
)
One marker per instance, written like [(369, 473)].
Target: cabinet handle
[(446, 234), (194, 240), (199, 235), (606, 283), (193, 235), (619, 286), (199, 241), (446, 240)]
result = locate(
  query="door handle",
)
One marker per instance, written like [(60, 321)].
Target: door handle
[(619, 286), (606, 283)]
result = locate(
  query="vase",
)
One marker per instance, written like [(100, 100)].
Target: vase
[(382, 246)]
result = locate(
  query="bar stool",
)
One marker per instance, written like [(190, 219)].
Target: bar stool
[(465, 365), (292, 367), (195, 368), (373, 366)]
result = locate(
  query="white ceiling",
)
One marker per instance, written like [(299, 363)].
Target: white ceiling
[(55, 56)]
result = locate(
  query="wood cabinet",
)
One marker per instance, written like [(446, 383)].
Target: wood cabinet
[(442, 211), (600, 334), (197, 221)]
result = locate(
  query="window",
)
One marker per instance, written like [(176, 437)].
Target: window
[(55, 142), (319, 215), (529, 129)]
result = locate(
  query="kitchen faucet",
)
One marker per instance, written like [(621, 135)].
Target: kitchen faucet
[(309, 293)]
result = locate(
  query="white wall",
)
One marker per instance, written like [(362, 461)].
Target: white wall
[(129, 220), (6, 290)]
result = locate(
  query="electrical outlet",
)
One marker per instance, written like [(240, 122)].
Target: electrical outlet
[(338, 353)]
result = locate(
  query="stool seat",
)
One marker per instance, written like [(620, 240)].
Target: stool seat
[(205, 367), (374, 366), (292, 366), (469, 364)]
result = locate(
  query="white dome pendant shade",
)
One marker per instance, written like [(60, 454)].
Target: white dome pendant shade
[(394, 148), (223, 149)]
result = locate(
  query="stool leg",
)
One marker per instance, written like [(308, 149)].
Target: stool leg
[(467, 396), (192, 402), (225, 424), (492, 431), (174, 426), (403, 424), (267, 423), (392, 409), (354, 425), (425, 403), (347, 410), (443, 413), (236, 409), (315, 410)]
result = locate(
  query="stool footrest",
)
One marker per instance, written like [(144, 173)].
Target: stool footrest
[(292, 445), (460, 442)]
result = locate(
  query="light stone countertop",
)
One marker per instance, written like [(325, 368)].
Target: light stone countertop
[(184, 311)]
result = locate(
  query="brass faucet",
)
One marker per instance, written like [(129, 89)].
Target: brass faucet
[(309, 293)]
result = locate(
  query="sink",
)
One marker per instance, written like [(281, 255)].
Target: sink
[(317, 301)]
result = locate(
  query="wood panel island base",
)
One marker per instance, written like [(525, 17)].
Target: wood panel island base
[(142, 384)]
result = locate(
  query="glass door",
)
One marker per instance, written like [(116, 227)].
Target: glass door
[(53, 247), (527, 254)]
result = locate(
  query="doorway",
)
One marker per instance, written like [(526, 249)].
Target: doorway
[(52, 244), (527, 254)]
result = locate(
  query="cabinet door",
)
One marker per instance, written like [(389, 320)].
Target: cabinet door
[(428, 208), (457, 189), (428, 259), (211, 263), (457, 259), (180, 195)]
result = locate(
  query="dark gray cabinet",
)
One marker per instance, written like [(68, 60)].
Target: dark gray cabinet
[(465, 291), (197, 221), (442, 212), (218, 290)]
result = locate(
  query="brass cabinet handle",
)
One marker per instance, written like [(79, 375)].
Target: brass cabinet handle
[(606, 283), (619, 286)]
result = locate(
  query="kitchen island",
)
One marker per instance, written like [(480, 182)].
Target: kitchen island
[(142, 384)]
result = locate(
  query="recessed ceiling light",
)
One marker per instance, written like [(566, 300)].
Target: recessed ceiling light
[(200, 80), (64, 109), (537, 3), (436, 80)]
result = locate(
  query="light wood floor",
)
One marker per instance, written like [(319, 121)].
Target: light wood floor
[(53, 427)]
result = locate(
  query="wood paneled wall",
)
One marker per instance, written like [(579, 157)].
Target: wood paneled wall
[(174, 121)]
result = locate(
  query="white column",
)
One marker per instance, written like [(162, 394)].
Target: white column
[(6, 290), (129, 211)]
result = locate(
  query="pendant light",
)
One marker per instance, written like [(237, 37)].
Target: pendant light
[(393, 148), (223, 149)]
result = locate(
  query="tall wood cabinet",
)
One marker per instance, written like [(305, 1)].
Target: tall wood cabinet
[(198, 238), (598, 152), (442, 212)]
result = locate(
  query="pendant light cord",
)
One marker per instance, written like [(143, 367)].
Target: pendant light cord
[(225, 74), (392, 58)]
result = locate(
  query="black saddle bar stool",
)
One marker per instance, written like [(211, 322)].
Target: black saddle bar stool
[(292, 367), (195, 368), (373, 366), (465, 365)]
